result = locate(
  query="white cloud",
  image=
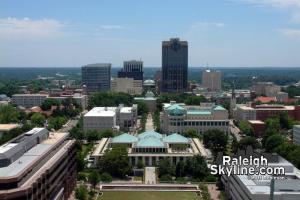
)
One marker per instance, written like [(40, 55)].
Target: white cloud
[(274, 3), (29, 28), (291, 32), (206, 25), (112, 27)]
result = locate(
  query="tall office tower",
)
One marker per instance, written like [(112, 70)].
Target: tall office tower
[(132, 69), (96, 77), (174, 65), (211, 80)]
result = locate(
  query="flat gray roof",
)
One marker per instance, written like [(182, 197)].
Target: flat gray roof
[(24, 161)]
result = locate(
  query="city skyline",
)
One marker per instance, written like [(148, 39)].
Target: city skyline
[(228, 33)]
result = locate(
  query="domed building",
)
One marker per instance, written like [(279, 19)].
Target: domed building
[(150, 147), (149, 99)]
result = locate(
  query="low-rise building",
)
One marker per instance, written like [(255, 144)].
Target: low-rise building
[(101, 118), (258, 127), (150, 147), (81, 100), (177, 118), (149, 100), (268, 89), (28, 100), (4, 128), (38, 165), (258, 187), (296, 134), (263, 112), (127, 85)]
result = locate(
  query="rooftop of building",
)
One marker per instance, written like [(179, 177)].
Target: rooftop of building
[(32, 156), (177, 109), (290, 183), (266, 99), (8, 127), (256, 122), (149, 82), (108, 111), (98, 65), (150, 139), (29, 95)]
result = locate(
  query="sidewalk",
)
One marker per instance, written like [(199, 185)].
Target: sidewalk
[(150, 176)]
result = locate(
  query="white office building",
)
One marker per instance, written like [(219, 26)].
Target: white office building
[(102, 118), (28, 100)]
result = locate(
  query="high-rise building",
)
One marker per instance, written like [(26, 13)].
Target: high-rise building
[(174, 65), (211, 80), (132, 69), (96, 77)]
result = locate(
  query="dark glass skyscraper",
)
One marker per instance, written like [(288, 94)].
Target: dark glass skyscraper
[(132, 69), (96, 77), (174, 65)]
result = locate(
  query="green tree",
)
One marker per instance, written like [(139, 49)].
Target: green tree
[(142, 107), (92, 135), (285, 121), (46, 105), (8, 114), (56, 122), (109, 99), (180, 169), (246, 128), (106, 177), (38, 119), (273, 142), (248, 141), (115, 162), (94, 178), (215, 140), (165, 167), (191, 133), (81, 192), (273, 123), (140, 164)]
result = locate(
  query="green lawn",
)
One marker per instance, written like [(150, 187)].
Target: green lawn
[(149, 196)]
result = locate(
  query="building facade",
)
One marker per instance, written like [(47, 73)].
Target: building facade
[(38, 165), (211, 80), (150, 147), (96, 77), (149, 100), (28, 100), (127, 85), (132, 69), (263, 112), (258, 187), (174, 66), (268, 89), (102, 118), (296, 134), (178, 118)]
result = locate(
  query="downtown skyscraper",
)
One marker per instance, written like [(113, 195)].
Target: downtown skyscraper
[(174, 66)]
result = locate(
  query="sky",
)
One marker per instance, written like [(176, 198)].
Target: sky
[(220, 33)]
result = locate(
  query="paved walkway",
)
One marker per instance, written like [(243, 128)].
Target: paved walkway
[(213, 191), (149, 123), (150, 177)]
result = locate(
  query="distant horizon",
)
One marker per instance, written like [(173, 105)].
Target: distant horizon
[(241, 67)]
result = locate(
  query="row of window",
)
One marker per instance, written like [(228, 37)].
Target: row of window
[(200, 123)]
